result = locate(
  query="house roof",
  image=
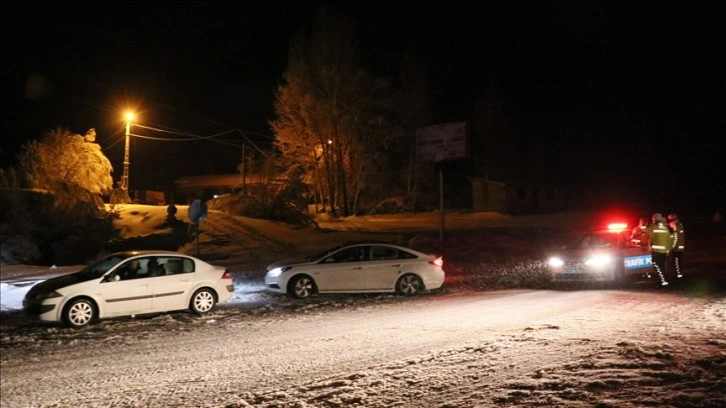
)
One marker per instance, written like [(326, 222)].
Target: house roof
[(234, 180)]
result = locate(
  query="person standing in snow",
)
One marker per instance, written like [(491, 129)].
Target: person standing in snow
[(661, 243), (638, 236), (679, 243)]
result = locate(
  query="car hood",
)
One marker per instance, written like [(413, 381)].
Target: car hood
[(61, 282), (586, 251), (289, 262)]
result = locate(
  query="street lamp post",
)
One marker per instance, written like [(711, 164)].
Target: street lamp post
[(125, 178)]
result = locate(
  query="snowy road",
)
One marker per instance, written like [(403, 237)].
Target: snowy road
[(522, 347)]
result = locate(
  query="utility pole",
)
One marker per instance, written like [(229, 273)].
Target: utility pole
[(125, 177), (244, 169)]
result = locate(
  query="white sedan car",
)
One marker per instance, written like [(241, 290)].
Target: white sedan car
[(130, 283), (358, 268)]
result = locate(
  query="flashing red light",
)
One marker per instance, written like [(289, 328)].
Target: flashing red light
[(617, 226)]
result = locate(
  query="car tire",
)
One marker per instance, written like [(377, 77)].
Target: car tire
[(202, 301), (302, 287), (79, 313), (409, 284)]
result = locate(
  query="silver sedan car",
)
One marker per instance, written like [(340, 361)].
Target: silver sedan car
[(358, 268), (130, 283)]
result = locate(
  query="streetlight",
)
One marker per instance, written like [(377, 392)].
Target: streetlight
[(125, 178)]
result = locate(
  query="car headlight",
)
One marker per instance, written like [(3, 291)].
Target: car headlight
[(555, 261), (46, 295), (598, 260), (274, 273)]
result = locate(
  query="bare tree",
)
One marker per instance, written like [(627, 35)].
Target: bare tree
[(333, 118)]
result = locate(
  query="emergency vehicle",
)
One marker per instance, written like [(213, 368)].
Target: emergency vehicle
[(606, 255)]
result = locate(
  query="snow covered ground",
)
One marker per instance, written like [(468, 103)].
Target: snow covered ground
[(456, 348), (596, 348)]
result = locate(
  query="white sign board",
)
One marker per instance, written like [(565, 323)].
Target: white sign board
[(442, 142)]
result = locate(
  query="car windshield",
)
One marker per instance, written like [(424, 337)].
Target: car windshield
[(594, 241), (98, 269)]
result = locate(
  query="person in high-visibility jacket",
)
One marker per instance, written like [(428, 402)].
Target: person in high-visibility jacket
[(661, 243), (679, 242), (638, 236)]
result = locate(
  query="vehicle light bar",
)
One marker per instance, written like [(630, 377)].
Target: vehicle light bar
[(617, 227)]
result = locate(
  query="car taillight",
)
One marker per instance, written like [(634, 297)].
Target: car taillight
[(437, 262), (226, 274)]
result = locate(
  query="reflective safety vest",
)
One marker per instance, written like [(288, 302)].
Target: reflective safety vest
[(679, 236), (661, 237)]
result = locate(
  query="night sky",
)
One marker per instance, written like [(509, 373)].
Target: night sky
[(627, 98)]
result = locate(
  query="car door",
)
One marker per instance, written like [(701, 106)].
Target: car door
[(383, 268), (126, 296), (635, 257), (171, 289), (637, 260), (341, 271)]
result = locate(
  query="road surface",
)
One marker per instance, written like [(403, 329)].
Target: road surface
[(465, 349)]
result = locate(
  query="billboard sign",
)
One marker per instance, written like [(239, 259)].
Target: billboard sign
[(442, 142)]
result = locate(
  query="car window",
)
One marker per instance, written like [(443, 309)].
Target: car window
[(384, 252), (176, 265), (99, 268), (156, 266), (351, 254), (406, 255), (362, 253), (606, 240), (147, 267), (128, 270), (325, 253), (595, 241)]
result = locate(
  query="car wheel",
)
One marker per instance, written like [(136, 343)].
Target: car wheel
[(202, 301), (79, 313), (301, 287), (409, 284)]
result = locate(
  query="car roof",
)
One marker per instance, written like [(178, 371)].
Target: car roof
[(605, 231), (374, 243), (371, 242), (146, 252)]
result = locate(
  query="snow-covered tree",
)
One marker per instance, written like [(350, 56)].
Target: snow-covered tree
[(62, 158)]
